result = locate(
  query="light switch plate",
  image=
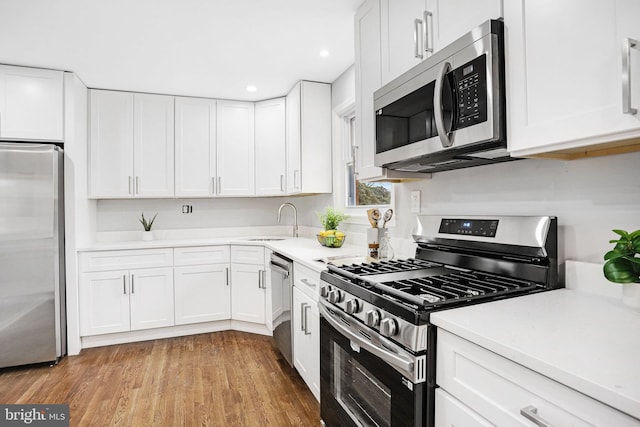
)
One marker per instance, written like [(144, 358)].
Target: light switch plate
[(415, 201)]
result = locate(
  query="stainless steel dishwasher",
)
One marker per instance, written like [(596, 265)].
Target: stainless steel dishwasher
[(281, 295)]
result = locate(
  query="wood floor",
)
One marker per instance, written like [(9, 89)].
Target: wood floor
[(219, 379)]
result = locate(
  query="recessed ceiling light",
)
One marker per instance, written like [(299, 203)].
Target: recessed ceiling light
[(324, 53), (251, 88)]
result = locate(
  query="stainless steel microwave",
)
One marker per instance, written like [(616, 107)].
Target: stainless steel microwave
[(448, 112)]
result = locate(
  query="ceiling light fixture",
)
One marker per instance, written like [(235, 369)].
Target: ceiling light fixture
[(251, 88), (324, 53)]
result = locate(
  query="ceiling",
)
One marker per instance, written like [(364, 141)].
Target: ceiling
[(208, 48)]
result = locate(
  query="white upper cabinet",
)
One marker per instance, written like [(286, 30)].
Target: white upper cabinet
[(270, 146), (451, 19), (110, 144), (235, 148), (309, 138), (566, 63), (131, 145), (153, 145), (195, 152), (31, 104)]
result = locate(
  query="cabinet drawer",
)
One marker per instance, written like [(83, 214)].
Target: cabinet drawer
[(117, 260), (307, 280), (247, 254), (200, 255), (498, 389)]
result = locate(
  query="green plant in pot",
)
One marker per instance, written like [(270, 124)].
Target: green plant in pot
[(622, 262), (146, 224), (330, 236)]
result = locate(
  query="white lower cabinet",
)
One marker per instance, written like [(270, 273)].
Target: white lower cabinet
[(126, 300), (248, 278), (306, 326), (202, 284), (480, 385)]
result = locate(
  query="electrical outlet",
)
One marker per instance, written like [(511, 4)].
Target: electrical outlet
[(415, 201), (187, 209)]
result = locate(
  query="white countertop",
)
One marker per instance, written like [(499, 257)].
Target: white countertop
[(587, 342), (300, 249)]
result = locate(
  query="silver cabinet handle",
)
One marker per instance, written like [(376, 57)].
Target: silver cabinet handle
[(213, 186), (129, 184), (428, 29), (531, 413), (296, 173), (417, 36), (124, 284), (282, 183), (627, 44), (133, 289), (137, 185), (302, 319), (443, 134), (259, 279), (306, 319), (227, 271), (264, 279), (308, 283)]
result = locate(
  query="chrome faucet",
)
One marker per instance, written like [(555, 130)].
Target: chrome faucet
[(295, 217)]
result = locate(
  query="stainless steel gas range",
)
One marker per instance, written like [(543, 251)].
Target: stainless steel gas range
[(377, 347)]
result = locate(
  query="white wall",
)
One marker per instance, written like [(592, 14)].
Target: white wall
[(590, 197)]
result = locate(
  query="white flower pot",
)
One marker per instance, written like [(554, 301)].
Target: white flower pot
[(147, 235), (631, 295)]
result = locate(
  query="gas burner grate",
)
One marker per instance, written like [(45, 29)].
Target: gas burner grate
[(391, 266), (437, 290)]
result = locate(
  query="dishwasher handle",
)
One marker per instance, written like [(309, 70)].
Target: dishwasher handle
[(280, 269)]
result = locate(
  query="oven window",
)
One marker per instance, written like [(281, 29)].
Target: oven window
[(366, 399)]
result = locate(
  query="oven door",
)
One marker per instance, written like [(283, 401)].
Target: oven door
[(360, 380)]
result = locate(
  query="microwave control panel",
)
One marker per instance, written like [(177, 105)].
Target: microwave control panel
[(470, 86)]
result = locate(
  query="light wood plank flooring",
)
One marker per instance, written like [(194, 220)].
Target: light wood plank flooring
[(220, 379)]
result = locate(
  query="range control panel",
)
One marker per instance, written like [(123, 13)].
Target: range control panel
[(469, 227)]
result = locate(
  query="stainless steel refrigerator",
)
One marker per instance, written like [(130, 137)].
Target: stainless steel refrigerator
[(32, 297)]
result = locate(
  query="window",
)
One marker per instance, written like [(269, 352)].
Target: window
[(361, 193)]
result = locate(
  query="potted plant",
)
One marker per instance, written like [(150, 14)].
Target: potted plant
[(147, 234), (623, 265), (330, 236)]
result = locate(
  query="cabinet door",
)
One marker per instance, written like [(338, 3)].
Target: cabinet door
[(248, 293), (270, 147), (454, 18), (31, 103), (111, 144), (104, 307), (293, 140), (577, 101), (306, 342), (151, 298), (153, 145), (400, 49), (368, 79), (315, 134), (202, 293), (195, 147), (235, 137), (450, 412)]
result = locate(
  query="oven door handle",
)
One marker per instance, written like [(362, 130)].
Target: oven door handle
[(401, 364)]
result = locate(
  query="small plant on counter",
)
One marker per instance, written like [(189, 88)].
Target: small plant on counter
[(330, 220), (622, 263), (147, 224)]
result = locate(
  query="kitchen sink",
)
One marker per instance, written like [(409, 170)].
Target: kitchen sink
[(266, 239)]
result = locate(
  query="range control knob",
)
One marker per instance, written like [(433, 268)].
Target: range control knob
[(335, 296), (373, 318), (353, 306), (388, 327), (324, 291)]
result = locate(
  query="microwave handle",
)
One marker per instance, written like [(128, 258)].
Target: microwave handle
[(445, 140)]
